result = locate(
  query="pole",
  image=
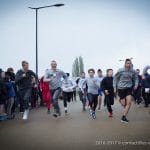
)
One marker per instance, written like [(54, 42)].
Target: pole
[(37, 42)]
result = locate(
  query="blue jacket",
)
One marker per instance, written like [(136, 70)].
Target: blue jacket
[(10, 89)]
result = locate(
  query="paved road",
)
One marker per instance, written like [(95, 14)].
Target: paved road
[(77, 131)]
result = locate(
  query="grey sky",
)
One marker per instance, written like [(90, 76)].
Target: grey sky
[(102, 31)]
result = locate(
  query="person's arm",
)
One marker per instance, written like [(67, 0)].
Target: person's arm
[(83, 84), (74, 85), (97, 83), (103, 85), (34, 75), (136, 81), (79, 83), (64, 75), (46, 77), (116, 79)]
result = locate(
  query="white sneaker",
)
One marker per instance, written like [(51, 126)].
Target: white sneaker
[(91, 112), (25, 114)]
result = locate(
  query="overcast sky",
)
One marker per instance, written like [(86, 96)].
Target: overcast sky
[(101, 31)]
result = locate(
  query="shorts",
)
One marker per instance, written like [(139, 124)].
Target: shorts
[(123, 93), (100, 92)]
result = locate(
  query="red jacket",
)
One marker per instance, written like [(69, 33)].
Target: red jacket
[(44, 87)]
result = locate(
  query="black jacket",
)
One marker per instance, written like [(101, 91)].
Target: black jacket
[(24, 82), (107, 84), (3, 92)]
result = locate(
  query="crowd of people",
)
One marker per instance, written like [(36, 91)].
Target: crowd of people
[(24, 90)]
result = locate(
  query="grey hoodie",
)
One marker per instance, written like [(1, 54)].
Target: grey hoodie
[(125, 78), (92, 83)]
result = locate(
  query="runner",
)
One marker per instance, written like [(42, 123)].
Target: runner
[(107, 87), (93, 86), (82, 90), (46, 95), (125, 80), (54, 76), (100, 94), (24, 82), (68, 86)]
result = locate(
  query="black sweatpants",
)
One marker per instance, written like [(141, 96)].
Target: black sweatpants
[(109, 100), (67, 97), (93, 100), (25, 97)]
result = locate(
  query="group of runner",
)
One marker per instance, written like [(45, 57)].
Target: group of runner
[(56, 84)]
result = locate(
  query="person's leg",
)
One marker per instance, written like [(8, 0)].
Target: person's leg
[(9, 107), (129, 99), (146, 99), (84, 101), (26, 99), (99, 102), (74, 94), (148, 96), (20, 100), (65, 100), (90, 98), (123, 102), (94, 105), (95, 102), (55, 100)]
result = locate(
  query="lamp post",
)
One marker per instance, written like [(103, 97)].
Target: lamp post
[(36, 10)]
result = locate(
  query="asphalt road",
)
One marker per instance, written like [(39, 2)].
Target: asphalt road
[(77, 131)]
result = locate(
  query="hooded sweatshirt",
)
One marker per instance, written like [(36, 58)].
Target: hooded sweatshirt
[(125, 78)]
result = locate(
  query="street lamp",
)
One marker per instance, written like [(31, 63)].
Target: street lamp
[(36, 10)]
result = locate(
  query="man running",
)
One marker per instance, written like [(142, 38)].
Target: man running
[(125, 80), (54, 76), (93, 86), (23, 80)]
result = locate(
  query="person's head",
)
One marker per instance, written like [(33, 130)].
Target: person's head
[(25, 65), (99, 73), (83, 75), (53, 64), (2, 74), (91, 72), (128, 63), (10, 70), (68, 74), (138, 71), (109, 72)]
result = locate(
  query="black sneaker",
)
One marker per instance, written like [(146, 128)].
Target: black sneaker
[(66, 111), (124, 119), (58, 113), (93, 115), (84, 108), (55, 115)]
